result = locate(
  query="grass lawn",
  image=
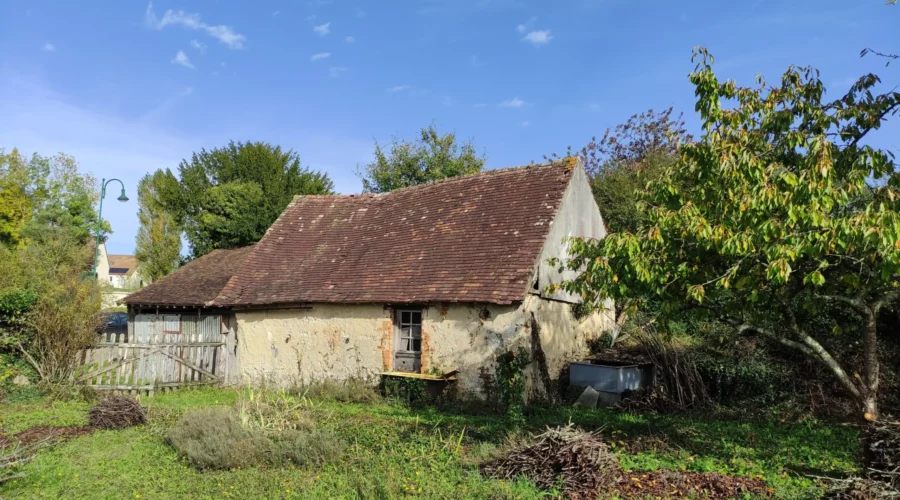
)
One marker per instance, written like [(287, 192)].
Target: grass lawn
[(397, 451)]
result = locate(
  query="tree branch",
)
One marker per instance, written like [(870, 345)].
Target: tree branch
[(744, 328), (31, 360)]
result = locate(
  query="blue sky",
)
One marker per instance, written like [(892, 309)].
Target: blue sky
[(128, 87)]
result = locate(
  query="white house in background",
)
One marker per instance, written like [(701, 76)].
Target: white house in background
[(118, 271)]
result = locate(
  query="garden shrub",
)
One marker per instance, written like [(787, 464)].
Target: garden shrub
[(305, 447), (353, 390), (406, 390), (266, 410), (212, 438), (733, 379)]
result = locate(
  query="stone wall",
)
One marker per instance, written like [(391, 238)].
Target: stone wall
[(338, 342)]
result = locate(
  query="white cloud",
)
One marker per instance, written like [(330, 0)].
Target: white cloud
[(322, 29), (182, 59), (525, 124), (399, 88), (336, 71), (220, 32), (320, 56), (39, 119), (276, 13), (200, 46), (538, 38), (522, 28), (515, 102), (162, 110), (349, 39), (49, 47)]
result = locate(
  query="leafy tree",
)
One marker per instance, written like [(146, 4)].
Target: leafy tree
[(45, 194), (15, 202), (213, 185), (430, 158), (626, 158), (63, 198), (158, 245), (778, 216), (232, 214), (48, 311)]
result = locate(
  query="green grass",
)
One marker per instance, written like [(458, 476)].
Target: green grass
[(396, 451)]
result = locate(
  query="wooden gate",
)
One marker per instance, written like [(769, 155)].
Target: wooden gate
[(161, 351)]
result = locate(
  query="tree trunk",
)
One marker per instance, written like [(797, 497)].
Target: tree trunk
[(870, 345), (870, 407)]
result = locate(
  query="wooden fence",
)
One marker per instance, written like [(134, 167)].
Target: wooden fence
[(159, 352)]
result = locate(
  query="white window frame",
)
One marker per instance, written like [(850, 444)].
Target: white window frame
[(169, 320), (404, 340)]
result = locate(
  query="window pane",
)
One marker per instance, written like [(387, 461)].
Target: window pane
[(404, 316), (416, 331), (405, 332), (172, 323), (417, 345), (407, 344), (417, 317)]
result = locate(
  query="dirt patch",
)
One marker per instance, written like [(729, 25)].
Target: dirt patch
[(5, 440), (45, 432), (671, 484)]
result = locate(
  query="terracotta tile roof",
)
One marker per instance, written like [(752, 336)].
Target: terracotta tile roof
[(122, 264), (196, 283), (467, 239)]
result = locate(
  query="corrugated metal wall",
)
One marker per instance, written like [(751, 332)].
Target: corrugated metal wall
[(163, 351)]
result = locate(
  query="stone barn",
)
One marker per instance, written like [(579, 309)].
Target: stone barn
[(430, 279)]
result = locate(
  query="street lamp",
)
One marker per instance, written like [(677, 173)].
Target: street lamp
[(121, 198)]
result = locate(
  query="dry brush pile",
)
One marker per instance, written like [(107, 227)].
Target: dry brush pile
[(581, 465), (117, 412), (579, 460)]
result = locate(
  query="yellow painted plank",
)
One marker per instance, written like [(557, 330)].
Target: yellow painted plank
[(420, 376)]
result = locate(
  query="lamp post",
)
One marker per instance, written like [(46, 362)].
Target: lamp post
[(121, 198)]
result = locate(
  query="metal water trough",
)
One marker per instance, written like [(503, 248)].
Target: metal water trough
[(609, 378)]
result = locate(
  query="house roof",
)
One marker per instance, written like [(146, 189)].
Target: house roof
[(122, 264), (196, 283), (467, 239)]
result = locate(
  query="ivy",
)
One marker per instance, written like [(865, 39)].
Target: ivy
[(511, 382)]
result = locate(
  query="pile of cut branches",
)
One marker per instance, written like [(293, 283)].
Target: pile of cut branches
[(579, 461), (117, 412), (882, 453)]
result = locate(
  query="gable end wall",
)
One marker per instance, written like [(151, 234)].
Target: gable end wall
[(578, 216)]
